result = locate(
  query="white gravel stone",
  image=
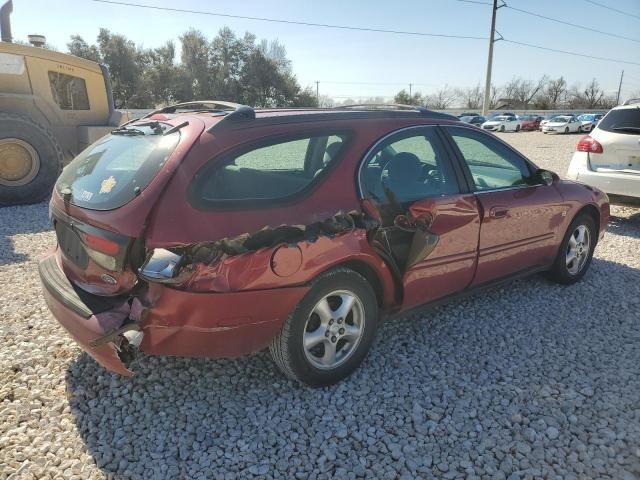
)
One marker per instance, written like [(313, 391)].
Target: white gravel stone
[(532, 380)]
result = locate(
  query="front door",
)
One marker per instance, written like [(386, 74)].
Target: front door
[(430, 225), (519, 219)]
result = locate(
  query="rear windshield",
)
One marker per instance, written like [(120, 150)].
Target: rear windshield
[(116, 168), (625, 120)]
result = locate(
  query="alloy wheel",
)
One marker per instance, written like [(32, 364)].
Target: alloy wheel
[(333, 330), (578, 250)]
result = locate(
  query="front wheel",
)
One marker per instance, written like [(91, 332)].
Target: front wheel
[(566, 129), (517, 128), (331, 330), (502, 128), (576, 251)]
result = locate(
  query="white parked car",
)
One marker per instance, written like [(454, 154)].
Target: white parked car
[(609, 157), (562, 124), (589, 121), (502, 123)]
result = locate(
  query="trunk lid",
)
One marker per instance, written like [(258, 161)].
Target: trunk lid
[(101, 202)]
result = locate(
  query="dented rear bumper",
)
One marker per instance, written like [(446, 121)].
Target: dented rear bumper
[(171, 321)]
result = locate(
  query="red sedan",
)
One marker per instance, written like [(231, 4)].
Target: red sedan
[(215, 230), (529, 122)]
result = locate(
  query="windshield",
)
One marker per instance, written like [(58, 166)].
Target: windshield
[(115, 169), (561, 119), (466, 119), (624, 120), (587, 118), (502, 119)]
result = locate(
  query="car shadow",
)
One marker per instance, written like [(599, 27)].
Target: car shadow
[(224, 414), (21, 220), (626, 226)]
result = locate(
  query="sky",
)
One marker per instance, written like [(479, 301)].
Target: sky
[(362, 64)]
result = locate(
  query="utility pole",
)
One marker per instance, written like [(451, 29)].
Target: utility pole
[(487, 83), (410, 86), (318, 93), (619, 88)]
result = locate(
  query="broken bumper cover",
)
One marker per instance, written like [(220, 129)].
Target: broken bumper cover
[(174, 322), (86, 317)]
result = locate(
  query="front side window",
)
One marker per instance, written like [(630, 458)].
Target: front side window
[(492, 165), (69, 92), (407, 167), (268, 172)]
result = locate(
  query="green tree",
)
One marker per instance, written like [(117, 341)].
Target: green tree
[(80, 48)]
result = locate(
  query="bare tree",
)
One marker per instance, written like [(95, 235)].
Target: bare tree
[(593, 94), (526, 90), (471, 97), (493, 96), (553, 93), (326, 102), (441, 99), (509, 89)]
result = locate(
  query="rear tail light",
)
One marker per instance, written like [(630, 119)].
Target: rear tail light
[(100, 244), (589, 144)]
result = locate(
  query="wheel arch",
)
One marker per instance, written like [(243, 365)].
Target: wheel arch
[(385, 291), (593, 212)]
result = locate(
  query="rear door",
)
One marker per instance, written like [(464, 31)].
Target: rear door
[(619, 134), (430, 222), (519, 220)]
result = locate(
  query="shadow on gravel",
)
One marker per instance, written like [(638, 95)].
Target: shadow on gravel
[(478, 365), (21, 220), (627, 226)]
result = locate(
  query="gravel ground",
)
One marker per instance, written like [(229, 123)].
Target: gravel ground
[(530, 381)]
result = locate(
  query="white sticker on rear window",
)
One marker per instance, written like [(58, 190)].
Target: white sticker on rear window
[(86, 195), (11, 64)]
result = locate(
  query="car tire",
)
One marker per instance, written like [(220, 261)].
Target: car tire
[(517, 128), (37, 149), (302, 349), (502, 128), (566, 129), (565, 271)]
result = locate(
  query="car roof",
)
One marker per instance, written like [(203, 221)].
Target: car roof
[(215, 114)]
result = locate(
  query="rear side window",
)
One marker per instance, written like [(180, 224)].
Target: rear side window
[(273, 171), (115, 169), (624, 120), (69, 92)]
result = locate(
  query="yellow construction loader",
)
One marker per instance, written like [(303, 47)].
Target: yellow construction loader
[(52, 105)]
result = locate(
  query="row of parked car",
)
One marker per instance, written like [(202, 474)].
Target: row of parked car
[(510, 122)]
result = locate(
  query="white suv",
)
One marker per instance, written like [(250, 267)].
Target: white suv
[(609, 157)]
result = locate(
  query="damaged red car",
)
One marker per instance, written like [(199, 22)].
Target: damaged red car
[(211, 229)]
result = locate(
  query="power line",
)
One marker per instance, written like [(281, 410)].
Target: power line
[(474, 1), (290, 22), (346, 27), (612, 9), (576, 54), (339, 82), (571, 24)]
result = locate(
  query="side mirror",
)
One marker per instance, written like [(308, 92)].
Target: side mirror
[(546, 177)]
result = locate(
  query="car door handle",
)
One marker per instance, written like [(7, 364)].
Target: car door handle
[(498, 212)]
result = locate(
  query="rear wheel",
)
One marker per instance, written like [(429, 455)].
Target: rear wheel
[(566, 129), (331, 330), (576, 251), (517, 128), (30, 160)]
